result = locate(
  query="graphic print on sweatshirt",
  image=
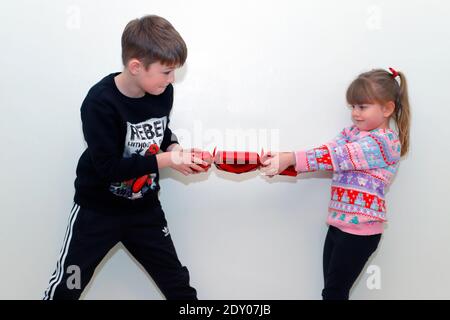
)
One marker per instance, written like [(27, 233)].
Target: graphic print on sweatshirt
[(143, 139)]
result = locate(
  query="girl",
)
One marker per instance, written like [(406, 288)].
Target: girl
[(364, 159)]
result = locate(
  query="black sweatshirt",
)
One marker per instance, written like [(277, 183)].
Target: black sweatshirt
[(118, 172)]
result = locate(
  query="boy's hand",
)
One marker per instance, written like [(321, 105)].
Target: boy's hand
[(205, 156), (184, 161), (274, 163)]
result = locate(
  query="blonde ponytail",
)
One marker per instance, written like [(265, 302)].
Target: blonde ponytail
[(402, 114)]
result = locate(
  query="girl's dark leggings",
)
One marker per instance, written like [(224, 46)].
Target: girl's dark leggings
[(344, 257)]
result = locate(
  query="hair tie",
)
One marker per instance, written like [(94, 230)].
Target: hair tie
[(394, 73)]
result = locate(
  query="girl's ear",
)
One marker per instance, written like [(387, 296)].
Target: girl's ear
[(388, 109)]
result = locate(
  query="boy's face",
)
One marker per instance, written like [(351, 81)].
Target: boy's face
[(155, 78)]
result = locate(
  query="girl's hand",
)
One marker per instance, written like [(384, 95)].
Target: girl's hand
[(274, 163)]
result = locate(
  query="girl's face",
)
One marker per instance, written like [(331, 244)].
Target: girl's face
[(370, 116)]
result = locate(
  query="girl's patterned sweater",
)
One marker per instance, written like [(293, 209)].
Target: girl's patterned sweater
[(364, 163)]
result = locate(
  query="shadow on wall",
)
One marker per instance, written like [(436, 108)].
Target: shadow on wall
[(202, 177)]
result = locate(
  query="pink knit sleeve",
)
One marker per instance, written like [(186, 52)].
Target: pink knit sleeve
[(376, 150), (309, 160)]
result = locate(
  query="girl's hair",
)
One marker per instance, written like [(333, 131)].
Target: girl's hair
[(380, 86)]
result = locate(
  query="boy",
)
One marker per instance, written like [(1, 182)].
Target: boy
[(125, 120)]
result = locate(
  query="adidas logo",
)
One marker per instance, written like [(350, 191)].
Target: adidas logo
[(166, 231)]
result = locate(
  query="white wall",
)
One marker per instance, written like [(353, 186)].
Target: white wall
[(279, 68)]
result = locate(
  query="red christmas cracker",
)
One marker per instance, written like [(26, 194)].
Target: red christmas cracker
[(230, 161), (240, 162)]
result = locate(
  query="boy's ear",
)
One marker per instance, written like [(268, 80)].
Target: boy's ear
[(134, 66), (388, 109)]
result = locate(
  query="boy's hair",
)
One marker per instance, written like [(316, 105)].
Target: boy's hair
[(153, 39), (380, 86)]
